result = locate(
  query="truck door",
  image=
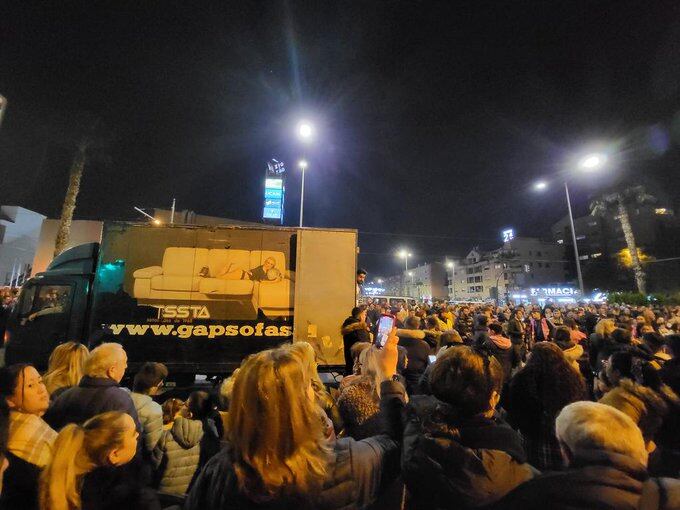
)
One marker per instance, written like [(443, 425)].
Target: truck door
[(41, 322)]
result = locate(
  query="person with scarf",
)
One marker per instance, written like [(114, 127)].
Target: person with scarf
[(500, 347), (31, 439), (540, 328)]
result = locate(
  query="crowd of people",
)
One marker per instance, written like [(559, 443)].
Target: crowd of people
[(464, 406)]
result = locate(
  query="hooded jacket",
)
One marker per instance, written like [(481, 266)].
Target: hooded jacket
[(501, 348), (417, 351), (353, 331), (150, 417), (595, 479), (451, 463), (177, 455)]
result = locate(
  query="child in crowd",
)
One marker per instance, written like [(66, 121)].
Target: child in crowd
[(171, 410)]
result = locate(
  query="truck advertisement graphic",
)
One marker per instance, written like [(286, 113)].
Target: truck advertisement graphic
[(225, 289), (198, 298)]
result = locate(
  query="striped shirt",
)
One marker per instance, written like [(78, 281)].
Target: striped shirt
[(30, 438)]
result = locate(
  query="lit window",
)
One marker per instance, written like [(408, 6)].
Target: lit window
[(579, 238), (560, 241), (595, 255), (661, 211)]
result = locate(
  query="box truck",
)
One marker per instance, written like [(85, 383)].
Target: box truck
[(197, 298)]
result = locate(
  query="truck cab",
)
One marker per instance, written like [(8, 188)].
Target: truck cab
[(52, 307)]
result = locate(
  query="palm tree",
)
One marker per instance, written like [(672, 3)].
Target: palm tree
[(618, 202), (89, 140)]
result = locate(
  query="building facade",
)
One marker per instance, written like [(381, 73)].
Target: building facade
[(520, 264), (19, 233), (426, 282)]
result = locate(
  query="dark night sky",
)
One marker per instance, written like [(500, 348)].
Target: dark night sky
[(434, 118)]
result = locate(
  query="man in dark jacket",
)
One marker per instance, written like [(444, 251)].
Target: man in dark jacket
[(98, 391), (354, 329), (464, 324), (412, 338), (457, 452), (606, 458)]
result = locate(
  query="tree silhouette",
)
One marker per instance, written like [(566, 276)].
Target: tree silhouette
[(617, 202), (90, 138)]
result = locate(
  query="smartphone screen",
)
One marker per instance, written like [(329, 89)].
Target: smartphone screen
[(385, 325)]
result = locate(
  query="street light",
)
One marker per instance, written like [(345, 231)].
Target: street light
[(379, 281), (588, 163), (592, 161), (305, 131), (303, 166), (405, 255)]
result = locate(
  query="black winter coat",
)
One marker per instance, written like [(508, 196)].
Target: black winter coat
[(20, 485), (353, 331), (448, 463), (596, 479), (94, 395), (357, 474), (418, 352), (117, 489)]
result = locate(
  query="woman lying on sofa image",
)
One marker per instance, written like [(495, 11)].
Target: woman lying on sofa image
[(266, 272)]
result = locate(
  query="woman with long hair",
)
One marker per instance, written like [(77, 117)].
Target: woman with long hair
[(307, 356), (65, 367), (359, 400), (108, 439), (31, 440), (537, 394), (277, 453)]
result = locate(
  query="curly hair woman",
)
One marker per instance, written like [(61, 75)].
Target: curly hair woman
[(538, 392)]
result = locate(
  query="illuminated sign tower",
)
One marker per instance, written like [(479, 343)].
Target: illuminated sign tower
[(274, 192)]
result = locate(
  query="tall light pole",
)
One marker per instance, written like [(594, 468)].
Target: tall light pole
[(404, 254), (305, 132), (3, 105), (450, 265), (303, 166), (588, 163)]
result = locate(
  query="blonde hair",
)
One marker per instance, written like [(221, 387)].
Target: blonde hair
[(102, 358), (65, 367), (594, 426), (307, 356), (77, 451), (605, 327), (370, 367), (278, 439)]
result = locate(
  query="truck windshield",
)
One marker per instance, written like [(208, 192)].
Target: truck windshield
[(46, 300)]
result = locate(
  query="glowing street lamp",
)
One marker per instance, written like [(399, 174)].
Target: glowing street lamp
[(305, 131), (588, 163), (405, 255), (592, 161)]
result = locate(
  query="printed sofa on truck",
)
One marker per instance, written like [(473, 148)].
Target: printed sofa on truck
[(182, 276)]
